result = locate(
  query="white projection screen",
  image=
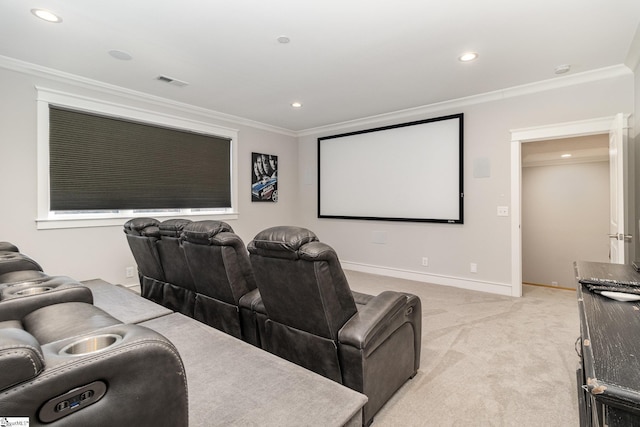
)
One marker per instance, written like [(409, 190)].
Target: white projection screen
[(406, 172)]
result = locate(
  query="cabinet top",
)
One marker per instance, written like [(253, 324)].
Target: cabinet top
[(610, 337)]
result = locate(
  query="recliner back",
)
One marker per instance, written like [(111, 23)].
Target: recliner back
[(172, 258), (290, 260), (11, 260), (367, 343), (177, 291), (142, 236), (222, 274)]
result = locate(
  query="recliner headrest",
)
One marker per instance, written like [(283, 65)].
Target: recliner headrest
[(9, 247), (142, 227), (283, 238), (318, 251), (173, 227), (16, 261), (204, 232)]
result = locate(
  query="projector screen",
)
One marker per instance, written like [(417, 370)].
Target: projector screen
[(406, 172)]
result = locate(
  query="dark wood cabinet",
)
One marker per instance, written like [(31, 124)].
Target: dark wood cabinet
[(609, 347)]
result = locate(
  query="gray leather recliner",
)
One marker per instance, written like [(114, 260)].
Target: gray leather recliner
[(368, 343), (223, 278), (179, 291), (142, 237), (65, 362), (118, 375), (12, 260)]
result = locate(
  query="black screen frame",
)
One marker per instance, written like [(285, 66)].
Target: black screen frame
[(459, 219)]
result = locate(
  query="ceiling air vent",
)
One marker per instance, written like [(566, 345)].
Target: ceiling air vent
[(172, 81)]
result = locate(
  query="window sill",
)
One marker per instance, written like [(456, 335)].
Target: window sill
[(113, 221)]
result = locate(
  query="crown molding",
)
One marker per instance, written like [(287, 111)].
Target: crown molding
[(633, 57), (458, 103), (515, 91), (98, 86)]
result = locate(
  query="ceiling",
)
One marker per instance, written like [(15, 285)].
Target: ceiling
[(346, 59), (590, 148)]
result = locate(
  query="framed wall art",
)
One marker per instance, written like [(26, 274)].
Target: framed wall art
[(264, 177)]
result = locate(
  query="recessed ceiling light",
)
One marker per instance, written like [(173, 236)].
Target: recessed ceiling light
[(283, 39), (561, 69), (468, 56), (118, 54), (566, 156), (46, 15), (296, 104)]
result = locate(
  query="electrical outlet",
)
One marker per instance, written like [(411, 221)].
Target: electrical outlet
[(473, 267), (503, 210), (129, 271), (425, 262)]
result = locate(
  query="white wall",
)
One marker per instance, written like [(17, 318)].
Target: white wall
[(485, 238), (85, 253), (565, 217), (634, 141)]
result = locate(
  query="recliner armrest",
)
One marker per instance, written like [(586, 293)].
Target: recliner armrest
[(251, 300), (20, 355), (19, 299), (374, 322)]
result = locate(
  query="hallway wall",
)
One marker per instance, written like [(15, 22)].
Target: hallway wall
[(565, 217)]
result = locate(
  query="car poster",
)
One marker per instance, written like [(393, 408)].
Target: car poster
[(264, 177)]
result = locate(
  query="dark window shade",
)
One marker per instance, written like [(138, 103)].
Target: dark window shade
[(98, 163)]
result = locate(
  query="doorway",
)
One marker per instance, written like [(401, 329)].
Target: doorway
[(522, 136), (561, 177)]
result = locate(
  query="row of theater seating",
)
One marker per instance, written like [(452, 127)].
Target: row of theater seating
[(64, 361), (286, 293)]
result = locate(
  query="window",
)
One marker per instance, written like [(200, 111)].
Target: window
[(100, 163)]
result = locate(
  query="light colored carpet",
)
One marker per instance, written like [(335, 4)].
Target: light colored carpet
[(487, 360)]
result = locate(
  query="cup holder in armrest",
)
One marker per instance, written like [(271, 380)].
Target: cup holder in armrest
[(90, 345), (34, 290)]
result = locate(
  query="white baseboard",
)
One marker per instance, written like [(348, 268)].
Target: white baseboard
[(474, 285)]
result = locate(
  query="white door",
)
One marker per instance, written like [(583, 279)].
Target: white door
[(617, 236)]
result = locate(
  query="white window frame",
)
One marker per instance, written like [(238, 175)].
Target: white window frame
[(47, 219)]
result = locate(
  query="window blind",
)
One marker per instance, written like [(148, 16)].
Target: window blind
[(104, 163)]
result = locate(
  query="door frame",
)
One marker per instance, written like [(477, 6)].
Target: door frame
[(597, 126)]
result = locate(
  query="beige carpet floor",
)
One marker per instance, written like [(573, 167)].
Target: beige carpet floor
[(487, 360)]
